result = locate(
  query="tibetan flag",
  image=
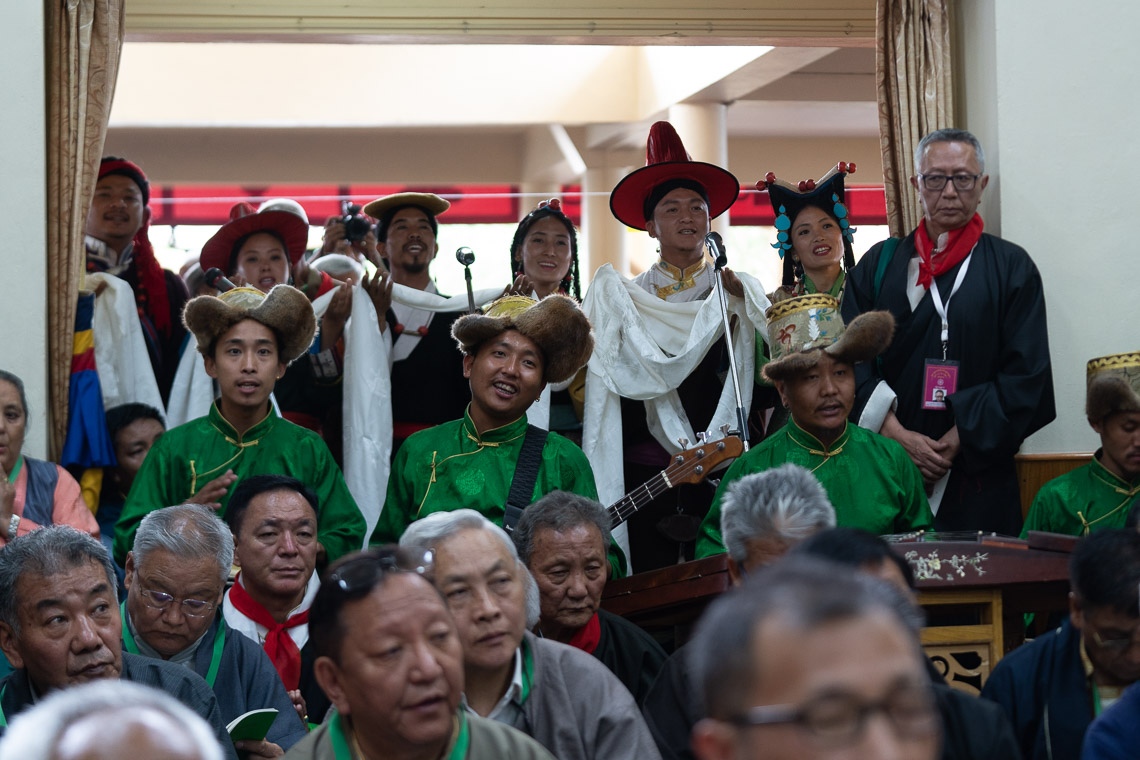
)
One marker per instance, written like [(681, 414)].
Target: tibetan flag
[(88, 444)]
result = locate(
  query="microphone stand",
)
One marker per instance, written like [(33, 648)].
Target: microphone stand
[(716, 250), (466, 257)]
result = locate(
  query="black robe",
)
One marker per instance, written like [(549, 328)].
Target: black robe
[(998, 335), (428, 387), (630, 653)]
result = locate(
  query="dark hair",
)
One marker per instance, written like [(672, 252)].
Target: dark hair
[(256, 485), (48, 551), (570, 283), (853, 547), (363, 572), (383, 222), (119, 417), (559, 511), (1104, 570), (8, 377), (805, 591), (125, 171), (791, 272), (667, 187), (245, 238)]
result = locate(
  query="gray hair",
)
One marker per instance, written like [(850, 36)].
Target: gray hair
[(430, 531), (949, 135), (16, 382), (47, 552), (786, 503), (560, 511), (40, 731), (188, 531), (807, 592)]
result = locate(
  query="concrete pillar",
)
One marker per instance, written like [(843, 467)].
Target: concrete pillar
[(602, 239), (704, 130)]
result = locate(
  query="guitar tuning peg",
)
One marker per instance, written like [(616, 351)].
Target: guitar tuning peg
[(724, 429), (703, 437), (684, 442)]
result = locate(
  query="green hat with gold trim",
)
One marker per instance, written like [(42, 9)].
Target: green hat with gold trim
[(1113, 385), (799, 328)]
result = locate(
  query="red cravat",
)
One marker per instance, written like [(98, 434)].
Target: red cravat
[(588, 636), (282, 650), (958, 246)]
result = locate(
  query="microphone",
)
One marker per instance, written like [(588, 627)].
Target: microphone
[(215, 279), (715, 243), (465, 256)]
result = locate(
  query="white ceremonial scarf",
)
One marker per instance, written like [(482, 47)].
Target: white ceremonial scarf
[(644, 348), (121, 358)]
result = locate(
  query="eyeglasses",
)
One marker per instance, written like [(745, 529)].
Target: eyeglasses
[(160, 600), (837, 719), (361, 573), (937, 182), (1114, 646)]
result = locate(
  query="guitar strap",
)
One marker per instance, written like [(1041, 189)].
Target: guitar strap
[(526, 475)]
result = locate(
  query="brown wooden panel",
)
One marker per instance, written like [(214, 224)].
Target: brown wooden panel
[(1035, 470)]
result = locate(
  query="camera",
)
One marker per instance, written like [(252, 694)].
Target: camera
[(356, 225)]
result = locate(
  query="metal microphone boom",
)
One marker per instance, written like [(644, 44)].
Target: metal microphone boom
[(716, 249)]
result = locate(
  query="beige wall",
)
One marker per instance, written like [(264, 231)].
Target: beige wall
[(1060, 114), (23, 263)]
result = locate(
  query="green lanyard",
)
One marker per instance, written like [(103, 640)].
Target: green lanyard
[(215, 656), (341, 750), (3, 720)]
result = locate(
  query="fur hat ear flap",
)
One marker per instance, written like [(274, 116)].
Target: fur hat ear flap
[(866, 337), (285, 310)]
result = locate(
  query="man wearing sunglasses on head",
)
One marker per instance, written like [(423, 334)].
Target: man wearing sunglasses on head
[(389, 657)]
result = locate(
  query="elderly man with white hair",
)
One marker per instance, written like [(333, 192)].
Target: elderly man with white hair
[(559, 695), (175, 577), (762, 517), (108, 720)]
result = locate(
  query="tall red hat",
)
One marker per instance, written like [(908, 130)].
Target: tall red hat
[(667, 161)]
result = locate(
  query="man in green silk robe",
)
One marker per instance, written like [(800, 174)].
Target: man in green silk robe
[(869, 479), (1099, 494), (247, 339), (510, 354)]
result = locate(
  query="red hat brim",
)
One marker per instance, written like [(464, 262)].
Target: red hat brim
[(627, 201), (292, 229)]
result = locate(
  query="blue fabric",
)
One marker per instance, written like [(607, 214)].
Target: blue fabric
[(88, 444), (1043, 690), (1115, 735)]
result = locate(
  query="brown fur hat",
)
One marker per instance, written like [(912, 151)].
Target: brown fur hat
[(556, 324), (285, 310), (1113, 385), (800, 327)]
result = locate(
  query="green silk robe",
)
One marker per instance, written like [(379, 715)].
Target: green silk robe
[(1090, 492), (188, 457), (869, 478)]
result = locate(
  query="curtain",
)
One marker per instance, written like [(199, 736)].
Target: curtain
[(84, 40), (915, 94)]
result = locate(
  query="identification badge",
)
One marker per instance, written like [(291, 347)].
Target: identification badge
[(941, 381)]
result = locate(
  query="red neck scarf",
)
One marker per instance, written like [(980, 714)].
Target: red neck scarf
[(959, 243), (588, 636), (282, 650)]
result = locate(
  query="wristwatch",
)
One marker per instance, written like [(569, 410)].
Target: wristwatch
[(13, 525)]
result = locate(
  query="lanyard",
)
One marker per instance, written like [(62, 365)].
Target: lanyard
[(215, 656), (942, 309), (3, 720)]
